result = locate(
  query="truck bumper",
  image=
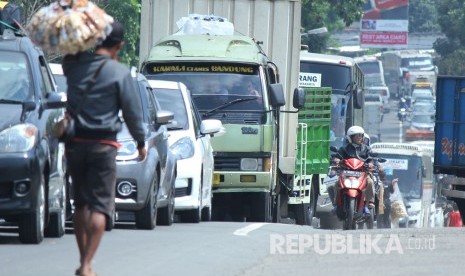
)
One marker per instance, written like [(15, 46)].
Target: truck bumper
[(241, 181)]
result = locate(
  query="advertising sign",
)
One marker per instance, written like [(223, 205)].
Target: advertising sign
[(384, 24)]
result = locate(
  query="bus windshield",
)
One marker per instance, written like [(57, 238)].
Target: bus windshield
[(408, 169)]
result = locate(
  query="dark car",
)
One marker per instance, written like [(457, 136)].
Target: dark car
[(146, 187), (32, 191)]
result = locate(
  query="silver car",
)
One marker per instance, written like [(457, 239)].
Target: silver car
[(146, 187)]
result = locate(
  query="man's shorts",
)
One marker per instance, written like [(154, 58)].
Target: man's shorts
[(92, 167)]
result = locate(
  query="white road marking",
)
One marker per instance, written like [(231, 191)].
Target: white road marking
[(249, 228)]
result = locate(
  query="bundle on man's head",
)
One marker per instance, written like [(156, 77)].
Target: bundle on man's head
[(116, 35)]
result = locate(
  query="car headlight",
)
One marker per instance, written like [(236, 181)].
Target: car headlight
[(128, 150), (251, 164), (183, 148), (18, 138)]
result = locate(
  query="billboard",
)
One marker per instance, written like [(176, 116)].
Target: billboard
[(384, 24)]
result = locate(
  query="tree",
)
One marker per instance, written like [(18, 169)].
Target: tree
[(332, 14), (423, 16), (125, 11), (451, 18)]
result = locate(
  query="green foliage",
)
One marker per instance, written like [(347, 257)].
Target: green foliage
[(451, 18), (423, 16)]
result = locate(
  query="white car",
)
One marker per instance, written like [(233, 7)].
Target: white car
[(194, 174), (383, 91)]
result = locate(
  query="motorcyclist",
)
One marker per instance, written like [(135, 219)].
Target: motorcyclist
[(355, 148)]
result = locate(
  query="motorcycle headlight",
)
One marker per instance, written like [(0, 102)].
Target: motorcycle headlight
[(351, 182), (183, 148), (128, 150), (18, 138)]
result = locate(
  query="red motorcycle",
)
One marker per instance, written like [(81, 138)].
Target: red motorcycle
[(349, 199)]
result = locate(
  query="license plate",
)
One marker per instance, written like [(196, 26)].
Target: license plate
[(216, 179), (353, 173)]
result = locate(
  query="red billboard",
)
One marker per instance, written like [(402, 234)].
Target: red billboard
[(384, 24)]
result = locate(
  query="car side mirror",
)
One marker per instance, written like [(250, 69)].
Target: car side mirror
[(164, 117), (55, 100), (277, 95), (210, 126)]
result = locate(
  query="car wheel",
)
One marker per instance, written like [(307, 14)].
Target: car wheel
[(110, 221), (31, 227), (56, 225), (194, 215), (147, 217), (207, 211), (166, 216)]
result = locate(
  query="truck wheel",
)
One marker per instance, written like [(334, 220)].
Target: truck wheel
[(277, 208), (302, 214), (261, 211), (32, 225)]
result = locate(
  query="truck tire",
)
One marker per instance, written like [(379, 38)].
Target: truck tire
[(302, 214), (261, 211)]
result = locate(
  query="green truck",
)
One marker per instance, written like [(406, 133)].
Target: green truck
[(249, 81)]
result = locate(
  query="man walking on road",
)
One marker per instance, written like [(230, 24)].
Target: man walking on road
[(91, 155)]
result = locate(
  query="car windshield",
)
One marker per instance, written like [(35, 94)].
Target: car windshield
[(14, 76), (408, 170), (423, 108), (423, 119), (172, 100), (421, 93), (372, 98)]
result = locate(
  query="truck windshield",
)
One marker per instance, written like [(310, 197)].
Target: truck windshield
[(408, 169), (218, 89), (338, 77), (417, 63)]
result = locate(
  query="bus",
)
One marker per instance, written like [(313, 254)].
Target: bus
[(411, 164), (346, 79), (372, 69)]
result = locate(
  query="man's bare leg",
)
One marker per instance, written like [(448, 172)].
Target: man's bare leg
[(89, 227), (80, 218), (95, 227)]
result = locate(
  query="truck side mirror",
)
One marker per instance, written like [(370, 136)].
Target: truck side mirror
[(298, 100), (359, 100), (277, 95)]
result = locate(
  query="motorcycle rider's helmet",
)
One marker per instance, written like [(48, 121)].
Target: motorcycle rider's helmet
[(352, 131)]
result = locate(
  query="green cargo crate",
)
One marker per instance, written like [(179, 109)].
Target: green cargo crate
[(313, 154)]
